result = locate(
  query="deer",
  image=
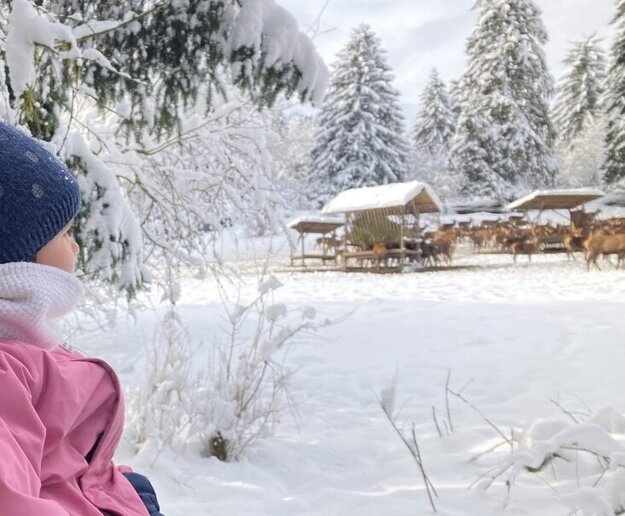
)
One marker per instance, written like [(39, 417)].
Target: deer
[(380, 252), (445, 243), (528, 244), (601, 244), (429, 253), (573, 241), (327, 244)]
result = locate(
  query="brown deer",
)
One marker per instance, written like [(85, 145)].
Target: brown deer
[(327, 244), (380, 252), (573, 241), (528, 244), (445, 244), (601, 244)]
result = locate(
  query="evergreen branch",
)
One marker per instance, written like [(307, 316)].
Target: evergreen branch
[(96, 34)]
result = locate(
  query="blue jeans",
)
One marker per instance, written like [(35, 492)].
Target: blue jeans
[(144, 489)]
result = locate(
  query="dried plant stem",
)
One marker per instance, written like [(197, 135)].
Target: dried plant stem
[(438, 428), (488, 421), (413, 447), (499, 470), (451, 425), (487, 451), (567, 412), (426, 479)]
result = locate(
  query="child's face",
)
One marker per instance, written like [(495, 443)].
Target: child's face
[(60, 252)]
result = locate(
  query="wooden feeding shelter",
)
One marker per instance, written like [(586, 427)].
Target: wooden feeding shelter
[(320, 225), (377, 221), (567, 199)]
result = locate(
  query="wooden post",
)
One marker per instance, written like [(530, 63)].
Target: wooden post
[(345, 241), (402, 247)]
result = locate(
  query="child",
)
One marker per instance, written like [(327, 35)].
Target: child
[(61, 414)]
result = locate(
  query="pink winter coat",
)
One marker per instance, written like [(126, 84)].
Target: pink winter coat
[(53, 406)]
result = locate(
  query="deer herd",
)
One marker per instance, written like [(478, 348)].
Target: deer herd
[(513, 235), (585, 234)]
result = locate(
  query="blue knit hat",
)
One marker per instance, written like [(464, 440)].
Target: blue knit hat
[(38, 196)]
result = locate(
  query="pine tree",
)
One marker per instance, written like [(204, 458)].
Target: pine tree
[(359, 140), (431, 136), (455, 94), (614, 165), (435, 123), (580, 161), (580, 89), (504, 138), (578, 115)]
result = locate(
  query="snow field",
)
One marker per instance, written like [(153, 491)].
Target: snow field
[(514, 336)]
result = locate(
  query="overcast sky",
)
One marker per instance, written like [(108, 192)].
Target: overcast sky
[(421, 34)]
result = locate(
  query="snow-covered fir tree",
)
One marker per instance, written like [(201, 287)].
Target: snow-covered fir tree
[(432, 132), (580, 161), (359, 140), (578, 115), (455, 94), (614, 165), (580, 89), (435, 123), (504, 139)]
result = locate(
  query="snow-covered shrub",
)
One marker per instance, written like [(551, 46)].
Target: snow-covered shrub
[(243, 393), (582, 460), (236, 397), (160, 411), (578, 455)]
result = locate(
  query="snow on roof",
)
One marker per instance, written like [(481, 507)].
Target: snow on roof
[(394, 195), (316, 218), (316, 224), (556, 199)]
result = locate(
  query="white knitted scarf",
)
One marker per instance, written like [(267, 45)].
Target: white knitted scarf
[(31, 297)]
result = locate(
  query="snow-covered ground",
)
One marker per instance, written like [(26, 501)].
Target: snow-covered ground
[(516, 338)]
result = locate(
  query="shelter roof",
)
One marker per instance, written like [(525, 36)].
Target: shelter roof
[(316, 224), (411, 197), (566, 199)]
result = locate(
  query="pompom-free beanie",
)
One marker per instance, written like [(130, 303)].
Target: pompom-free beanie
[(38, 196)]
